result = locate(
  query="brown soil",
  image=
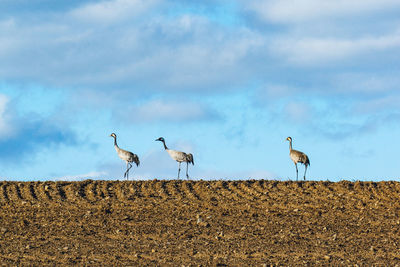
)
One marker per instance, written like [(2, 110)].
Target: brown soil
[(192, 223)]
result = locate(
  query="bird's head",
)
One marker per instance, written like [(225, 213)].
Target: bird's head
[(289, 139), (161, 139), (113, 135)]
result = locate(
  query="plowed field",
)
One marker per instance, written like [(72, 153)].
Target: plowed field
[(192, 223)]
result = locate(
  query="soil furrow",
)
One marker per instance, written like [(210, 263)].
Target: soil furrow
[(110, 190), (154, 192), (173, 190), (221, 189), (161, 189), (49, 191), (119, 190), (61, 192), (91, 191), (189, 191), (25, 189), (12, 193), (134, 190), (145, 189), (4, 193), (231, 187), (244, 191)]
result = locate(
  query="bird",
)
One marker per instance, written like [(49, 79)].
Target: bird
[(126, 156), (298, 157), (179, 156)]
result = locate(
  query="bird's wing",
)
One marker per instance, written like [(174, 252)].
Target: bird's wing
[(177, 155), (299, 156), (125, 155)]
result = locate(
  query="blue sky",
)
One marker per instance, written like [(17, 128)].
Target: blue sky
[(225, 80)]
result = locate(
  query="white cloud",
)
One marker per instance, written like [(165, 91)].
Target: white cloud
[(7, 45), (366, 83), (207, 58), (295, 11), (310, 51), (111, 11), (169, 111), (159, 53)]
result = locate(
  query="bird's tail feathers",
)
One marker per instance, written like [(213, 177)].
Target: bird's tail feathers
[(189, 158), (136, 160)]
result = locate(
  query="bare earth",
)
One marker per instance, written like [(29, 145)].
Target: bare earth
[(192, 223)]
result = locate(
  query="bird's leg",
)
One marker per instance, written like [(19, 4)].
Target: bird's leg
[(187, 166), (128, 167), (297, 172), (305, 172), (179, 169), (126, 172)]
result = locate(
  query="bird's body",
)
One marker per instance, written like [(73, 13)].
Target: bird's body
[(298, 157), (126, 156), (178, 156)]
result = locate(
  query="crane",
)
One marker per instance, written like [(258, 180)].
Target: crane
[(179, 156), (126, 156), (298, 157)]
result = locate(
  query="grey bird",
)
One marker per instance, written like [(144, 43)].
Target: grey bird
[(298, 157), (179, 156), (126, 156)]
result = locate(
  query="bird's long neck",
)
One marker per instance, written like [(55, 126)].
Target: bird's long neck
[(290, 145), (115, 142), (165, 146)]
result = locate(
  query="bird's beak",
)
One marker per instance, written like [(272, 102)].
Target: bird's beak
[(157, 140)]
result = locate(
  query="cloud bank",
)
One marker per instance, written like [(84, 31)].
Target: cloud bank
[(23, 137)]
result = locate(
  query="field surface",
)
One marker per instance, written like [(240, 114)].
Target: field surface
[(200, 223)]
